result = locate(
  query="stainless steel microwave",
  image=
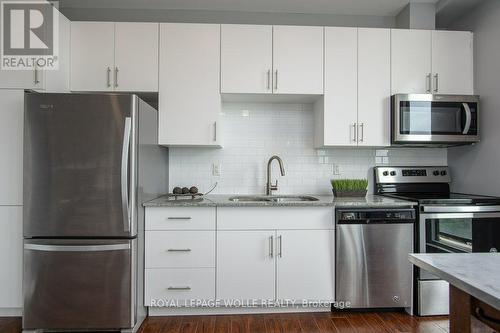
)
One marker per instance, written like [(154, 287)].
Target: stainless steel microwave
[(434, 120)]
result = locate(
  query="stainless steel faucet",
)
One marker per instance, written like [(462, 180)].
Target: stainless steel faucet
[(269, 186)]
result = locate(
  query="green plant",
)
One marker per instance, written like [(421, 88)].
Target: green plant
[(342, 185)]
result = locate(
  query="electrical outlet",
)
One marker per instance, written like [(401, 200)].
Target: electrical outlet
[(216, 169), (336, 169)]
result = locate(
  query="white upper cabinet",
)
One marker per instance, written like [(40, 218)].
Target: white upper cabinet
[(298, 60), (341, 80), (107, 56), (189, 97), (92, 56), (246, 58), (374, 87), (22, 79), (11, 147), (136, 57), (411, 61), (58, 80), (452, 62)]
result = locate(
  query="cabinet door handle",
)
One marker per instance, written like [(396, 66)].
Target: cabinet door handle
[(215, 131), (268, 86), (108, 77), (179, 250), (271, 246), (436, 82), (179, 218), (280, 246), (276, 80), (362, 132), (355, 136), (179, 288), (35, 75), (428, 83), (116, 76)]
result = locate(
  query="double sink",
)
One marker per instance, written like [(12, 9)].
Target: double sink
[(272, 198)]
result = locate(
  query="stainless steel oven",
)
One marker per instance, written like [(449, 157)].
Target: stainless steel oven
[(452, 229), (426, 119)]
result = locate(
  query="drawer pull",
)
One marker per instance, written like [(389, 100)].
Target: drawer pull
[(179, 288), (179, 218), (179, 250)]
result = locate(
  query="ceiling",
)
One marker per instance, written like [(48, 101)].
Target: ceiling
[(338, 7)]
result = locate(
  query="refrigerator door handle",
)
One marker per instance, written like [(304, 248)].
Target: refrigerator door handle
[(76, 248), (124, 173)]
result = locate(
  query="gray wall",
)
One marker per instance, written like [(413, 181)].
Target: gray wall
[(207, 16), (417, 16), (476, 169)]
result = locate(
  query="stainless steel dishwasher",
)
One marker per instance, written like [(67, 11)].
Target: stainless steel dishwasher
[(372, 247)]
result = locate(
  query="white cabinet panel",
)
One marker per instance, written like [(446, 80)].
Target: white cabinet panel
[(298, 60), (180, 218), (189, 97), (452, 62), (11, 146), (341, 80), (305, 261), (136, 56), (58, 80), (11, 256), (180, 249), (22, 79), (410, 61), (246, 58), (178, 285), (374, 87), (92, 56), (245, 265), (271, 218)]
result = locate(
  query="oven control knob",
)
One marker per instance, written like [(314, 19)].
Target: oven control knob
[(443, 173), (393, 173), (385, 173), (436, 173), (494, 250)]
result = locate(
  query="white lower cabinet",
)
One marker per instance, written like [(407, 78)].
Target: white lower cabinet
[(173, 286), (305, 261), (11, 254), (294, 264), (245, 265)]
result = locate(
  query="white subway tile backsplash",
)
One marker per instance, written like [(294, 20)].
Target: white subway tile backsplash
[(253, 132)]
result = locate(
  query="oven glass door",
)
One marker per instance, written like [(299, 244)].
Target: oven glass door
[(460, 233), (437, 118)]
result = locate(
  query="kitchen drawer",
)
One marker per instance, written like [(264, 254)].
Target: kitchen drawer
[(178, 285), (180, 249), (270, 218), (180, 218)]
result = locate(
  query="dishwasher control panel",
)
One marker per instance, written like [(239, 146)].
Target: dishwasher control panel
[(372, 216)]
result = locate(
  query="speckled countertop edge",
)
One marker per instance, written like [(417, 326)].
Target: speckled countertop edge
[(221, 200)]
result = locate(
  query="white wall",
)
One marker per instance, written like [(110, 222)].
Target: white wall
[(253, 132), (476, 169), (212, 16)]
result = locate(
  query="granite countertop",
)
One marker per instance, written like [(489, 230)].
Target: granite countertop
[(221, 200), (475, 273)]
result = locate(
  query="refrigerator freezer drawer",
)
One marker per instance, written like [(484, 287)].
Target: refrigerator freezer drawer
[(79, 284), (433, 298)]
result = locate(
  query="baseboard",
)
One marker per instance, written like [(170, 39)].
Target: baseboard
[(184, 311), (11, 312)]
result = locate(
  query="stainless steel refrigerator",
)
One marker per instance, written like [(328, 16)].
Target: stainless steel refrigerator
[(90, 160)]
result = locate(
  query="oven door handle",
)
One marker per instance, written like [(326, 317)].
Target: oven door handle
[(468, 118), (460, 209)]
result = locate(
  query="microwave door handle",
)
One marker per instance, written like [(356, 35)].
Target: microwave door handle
[(124, 173), (468, 118)]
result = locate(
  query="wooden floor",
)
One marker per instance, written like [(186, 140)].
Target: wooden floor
[(282, 323), (298, 323)]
